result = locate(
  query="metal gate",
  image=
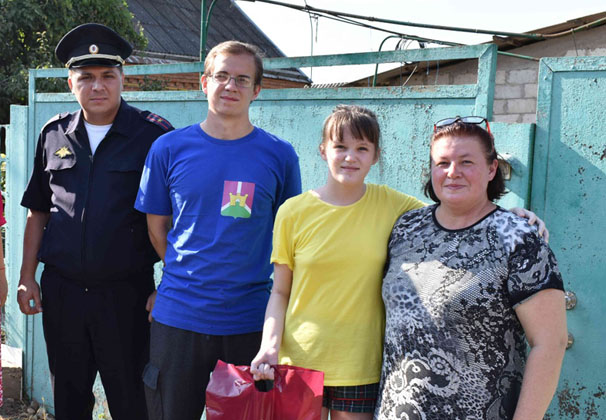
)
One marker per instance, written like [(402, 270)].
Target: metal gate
[(406, 116), (569, 192)]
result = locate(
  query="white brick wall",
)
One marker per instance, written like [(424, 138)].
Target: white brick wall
[(465, 79), (529, 118), (520, 77), (516, 79), (501, 77), (508, 118), (516, 95), (530, 90), (500, 106), (508, 91), (521, 106)]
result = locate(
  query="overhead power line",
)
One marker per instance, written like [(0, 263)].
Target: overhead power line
[(349, 19), (308, 9), (389, 31), (336, 14)]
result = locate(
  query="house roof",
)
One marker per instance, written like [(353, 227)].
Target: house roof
[(172, 28), (511, 42), (503, 44)]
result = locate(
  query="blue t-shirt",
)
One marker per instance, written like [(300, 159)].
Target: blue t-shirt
[(223, 196)]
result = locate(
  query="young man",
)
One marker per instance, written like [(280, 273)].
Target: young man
[(98, 261), (211, 191)]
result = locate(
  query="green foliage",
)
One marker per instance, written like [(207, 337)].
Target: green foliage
[(148, 83), (30, 30)]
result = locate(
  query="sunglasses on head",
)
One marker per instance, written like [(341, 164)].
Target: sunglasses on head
[(465, 120)]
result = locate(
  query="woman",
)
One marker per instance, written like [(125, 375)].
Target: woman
[(466, 284)]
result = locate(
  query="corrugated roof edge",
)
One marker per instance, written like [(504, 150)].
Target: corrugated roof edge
[(290, 74)]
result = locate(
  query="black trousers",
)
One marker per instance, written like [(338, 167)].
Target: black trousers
[(180, 365), (97, 329)]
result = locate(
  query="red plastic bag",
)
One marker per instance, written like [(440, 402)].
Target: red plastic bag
[(296, 395)]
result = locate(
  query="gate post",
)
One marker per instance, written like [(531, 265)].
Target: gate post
[(16, 180), (17, 172), (487, 70)]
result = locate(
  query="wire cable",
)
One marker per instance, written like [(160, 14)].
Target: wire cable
[(535, 36), (397, 22), (390, 31)]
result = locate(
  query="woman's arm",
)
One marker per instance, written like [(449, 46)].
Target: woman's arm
[(273, 327), (543, 318)]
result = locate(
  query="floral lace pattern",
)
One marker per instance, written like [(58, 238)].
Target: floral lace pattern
[(454, 348)]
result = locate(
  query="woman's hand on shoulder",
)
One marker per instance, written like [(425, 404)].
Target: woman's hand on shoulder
[(261, 365), (532, 219)]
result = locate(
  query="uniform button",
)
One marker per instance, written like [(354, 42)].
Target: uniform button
[(86, 289)]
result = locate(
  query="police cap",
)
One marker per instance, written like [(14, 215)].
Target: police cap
[(92, 44)]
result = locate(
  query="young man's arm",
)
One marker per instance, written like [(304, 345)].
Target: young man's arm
[(532, 219), (157, 227), (28, 288)]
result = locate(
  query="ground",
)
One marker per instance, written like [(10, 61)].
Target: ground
[(13, 409), (21, 410)]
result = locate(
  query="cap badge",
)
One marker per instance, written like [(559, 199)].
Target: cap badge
[(63, 152), (93, 49)]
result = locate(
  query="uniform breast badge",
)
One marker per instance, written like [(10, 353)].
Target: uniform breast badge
[(63, 152)]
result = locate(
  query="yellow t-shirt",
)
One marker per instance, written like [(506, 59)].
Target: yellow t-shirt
[(335, 317)]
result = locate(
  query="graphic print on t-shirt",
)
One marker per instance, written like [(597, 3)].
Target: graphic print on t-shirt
[(237, 199)]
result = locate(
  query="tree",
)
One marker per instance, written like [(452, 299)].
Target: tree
[(30, 30)]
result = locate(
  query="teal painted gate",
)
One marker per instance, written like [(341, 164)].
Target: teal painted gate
[(406, 116), (569, 192)]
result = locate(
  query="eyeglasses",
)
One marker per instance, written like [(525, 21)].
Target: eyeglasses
[(223, 78), (465, 120)]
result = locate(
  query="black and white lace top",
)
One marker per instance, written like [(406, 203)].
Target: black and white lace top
[(454, 348)]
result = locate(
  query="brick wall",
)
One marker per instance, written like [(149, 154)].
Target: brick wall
[(517, 79), (191, 81), (515, 98)]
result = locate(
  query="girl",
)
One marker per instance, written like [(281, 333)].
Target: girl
[(325, 311)]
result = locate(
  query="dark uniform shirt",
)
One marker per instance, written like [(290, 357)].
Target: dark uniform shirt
[(94, 234)]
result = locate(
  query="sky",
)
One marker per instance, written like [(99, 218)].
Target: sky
[(298, 35)]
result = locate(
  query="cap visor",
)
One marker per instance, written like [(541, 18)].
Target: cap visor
[(102, 62)]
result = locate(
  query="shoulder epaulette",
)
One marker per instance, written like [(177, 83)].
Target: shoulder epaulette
[(159, 121), (56, 118)]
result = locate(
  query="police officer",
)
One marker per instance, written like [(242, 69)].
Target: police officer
[(98, 262)]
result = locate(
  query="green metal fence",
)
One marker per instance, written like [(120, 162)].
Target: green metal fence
[(406, 116)]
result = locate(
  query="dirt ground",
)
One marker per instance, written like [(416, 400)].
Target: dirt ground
[(21, 410), (13, 410)]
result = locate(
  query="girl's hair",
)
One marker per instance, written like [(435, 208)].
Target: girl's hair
[(496, 187), (362, 123)]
